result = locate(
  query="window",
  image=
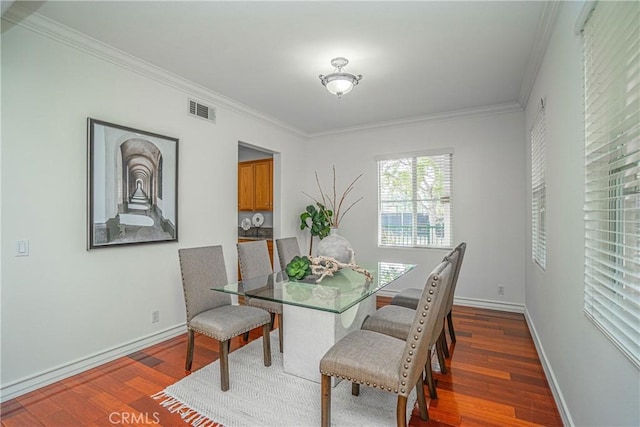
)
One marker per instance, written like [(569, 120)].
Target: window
[(415, 199), (538, 191), (612, 173)]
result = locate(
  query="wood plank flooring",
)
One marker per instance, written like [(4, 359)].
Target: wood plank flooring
[(494, 379)]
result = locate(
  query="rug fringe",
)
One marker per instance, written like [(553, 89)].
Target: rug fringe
[(189, 415)]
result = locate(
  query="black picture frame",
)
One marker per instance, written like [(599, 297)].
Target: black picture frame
[(132, 186)]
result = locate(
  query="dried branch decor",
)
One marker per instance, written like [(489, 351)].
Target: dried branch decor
[(330, 202), (324, 266)]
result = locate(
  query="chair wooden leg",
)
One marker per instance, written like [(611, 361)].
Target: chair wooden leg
[(280, 331), (224, 365), (355, 389), (325, 386), (273, 320), (452, 333), (440, 353), (245, 336), (401, 411), (266, 344), (422, 402), (187, 365), (428, 379), (443, 342)]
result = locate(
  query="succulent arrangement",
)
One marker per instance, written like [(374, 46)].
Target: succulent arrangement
[(299, 267)]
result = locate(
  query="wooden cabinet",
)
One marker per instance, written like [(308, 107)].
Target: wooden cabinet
[(269, 246), (255, 185)]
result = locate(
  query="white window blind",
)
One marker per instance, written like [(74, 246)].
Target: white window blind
[(612, 173), (415, 200), (538, 191)]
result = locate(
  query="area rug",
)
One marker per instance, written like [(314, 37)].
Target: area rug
[(266, 396)]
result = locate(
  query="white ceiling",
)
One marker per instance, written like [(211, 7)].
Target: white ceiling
[(417, 58)]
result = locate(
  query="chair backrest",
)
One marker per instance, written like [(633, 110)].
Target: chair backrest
[(424, 327), (202, 268), (453, 258), (287, 249), (254, 259), (460, 249)]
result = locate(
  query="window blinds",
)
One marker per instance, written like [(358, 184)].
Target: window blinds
[(415, 200), (538, 191), (612, 173)]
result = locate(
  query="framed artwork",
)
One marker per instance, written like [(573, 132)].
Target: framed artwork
[(132, 186)]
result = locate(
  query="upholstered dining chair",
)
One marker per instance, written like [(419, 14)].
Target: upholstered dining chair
[(253, 257), (395, 321), (409, 297), (210, 312), (287, 249), (382, 361)]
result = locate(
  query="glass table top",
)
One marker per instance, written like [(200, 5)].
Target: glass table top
[(334, 294)]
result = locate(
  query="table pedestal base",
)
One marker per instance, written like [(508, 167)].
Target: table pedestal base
[(308, 334)]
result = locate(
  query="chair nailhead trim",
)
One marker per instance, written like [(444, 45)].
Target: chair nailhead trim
[(402, 390)]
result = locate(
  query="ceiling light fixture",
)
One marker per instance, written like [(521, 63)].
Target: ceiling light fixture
[(339, 83)]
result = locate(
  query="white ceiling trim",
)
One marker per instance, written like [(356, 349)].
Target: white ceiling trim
[(540, 43), (46, 27), (486, 110)]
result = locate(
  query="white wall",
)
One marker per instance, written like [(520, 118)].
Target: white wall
[(596, 384), (63, 304), (489, 197)]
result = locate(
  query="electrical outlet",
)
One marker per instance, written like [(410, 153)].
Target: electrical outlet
[(155, 316), (500, 290)]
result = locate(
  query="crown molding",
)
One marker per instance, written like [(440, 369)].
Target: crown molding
[(18, 15), (545, 28), (487, 110)]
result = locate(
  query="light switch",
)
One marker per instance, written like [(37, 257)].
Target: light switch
[(22, 248)]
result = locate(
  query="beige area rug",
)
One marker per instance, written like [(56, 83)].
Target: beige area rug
[(266, 396)]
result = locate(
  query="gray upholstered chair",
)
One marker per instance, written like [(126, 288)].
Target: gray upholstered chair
[(210, 312), (382, 361), (254, 261), (409, 297), (287, 249), (396, 321)]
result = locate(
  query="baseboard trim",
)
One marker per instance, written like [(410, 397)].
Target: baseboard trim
[(548, 371), (472, 302), (44, 378)]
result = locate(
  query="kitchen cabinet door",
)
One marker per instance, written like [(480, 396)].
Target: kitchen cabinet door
[(263, 188), (246, 191)]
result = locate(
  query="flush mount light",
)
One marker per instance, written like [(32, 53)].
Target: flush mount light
[(339, 83)]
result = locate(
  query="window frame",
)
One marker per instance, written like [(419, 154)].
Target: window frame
[(416, 226), (538, 189), (612, 168)]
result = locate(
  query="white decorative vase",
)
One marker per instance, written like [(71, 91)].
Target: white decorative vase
[(336, 247)]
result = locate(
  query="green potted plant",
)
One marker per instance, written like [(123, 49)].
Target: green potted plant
[(317, 220)]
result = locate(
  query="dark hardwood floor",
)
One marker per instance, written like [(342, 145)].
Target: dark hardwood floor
[(494, 379)]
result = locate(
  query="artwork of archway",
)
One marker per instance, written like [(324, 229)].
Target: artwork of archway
[(132, 186)]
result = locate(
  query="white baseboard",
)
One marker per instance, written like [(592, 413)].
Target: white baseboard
[(491, 305), (471, 302), (41, 379), (551, 378)]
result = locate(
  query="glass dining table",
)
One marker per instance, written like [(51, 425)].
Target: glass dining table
[(317, 315)]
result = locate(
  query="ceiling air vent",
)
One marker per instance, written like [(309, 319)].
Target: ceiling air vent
[(197, 109)]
